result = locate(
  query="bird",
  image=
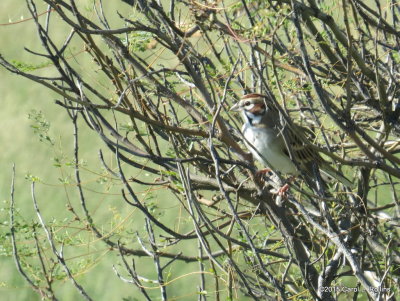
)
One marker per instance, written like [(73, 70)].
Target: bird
[(284, 149)]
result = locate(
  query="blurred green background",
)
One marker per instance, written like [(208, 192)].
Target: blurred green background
[(90, 258), (39, 159)]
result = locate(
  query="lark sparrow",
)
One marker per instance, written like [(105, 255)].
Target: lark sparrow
[(283, 149)]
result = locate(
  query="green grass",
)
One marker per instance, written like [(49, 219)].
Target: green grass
[(50, 163), (20, 145)]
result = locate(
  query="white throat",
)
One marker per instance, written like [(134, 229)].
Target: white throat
[(252, 118)]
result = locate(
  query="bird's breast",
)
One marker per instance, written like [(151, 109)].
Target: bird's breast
[(266, 145)]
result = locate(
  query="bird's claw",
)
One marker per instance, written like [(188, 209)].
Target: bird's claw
[(282, 191), (259, 175)]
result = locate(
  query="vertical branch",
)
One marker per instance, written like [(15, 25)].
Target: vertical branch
[(17, 259), (156, 258), (59, 255)]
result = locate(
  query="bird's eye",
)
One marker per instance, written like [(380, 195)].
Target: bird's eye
[(247, 103)]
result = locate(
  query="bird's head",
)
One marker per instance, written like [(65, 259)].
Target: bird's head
[(253, 107), (253, 103)]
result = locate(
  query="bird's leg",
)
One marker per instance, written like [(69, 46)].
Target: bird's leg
[(285, 187), (261, 173)]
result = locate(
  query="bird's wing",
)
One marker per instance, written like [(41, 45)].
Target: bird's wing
[(299, 149), (304, 154)]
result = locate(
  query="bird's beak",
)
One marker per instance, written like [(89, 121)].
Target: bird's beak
[(235, 108)]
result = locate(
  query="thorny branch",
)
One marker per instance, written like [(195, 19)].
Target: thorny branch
[(336, 73)]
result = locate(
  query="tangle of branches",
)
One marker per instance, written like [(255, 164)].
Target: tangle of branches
[(158, 95)]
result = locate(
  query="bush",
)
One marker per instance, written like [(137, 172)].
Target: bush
[(158, 93)]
